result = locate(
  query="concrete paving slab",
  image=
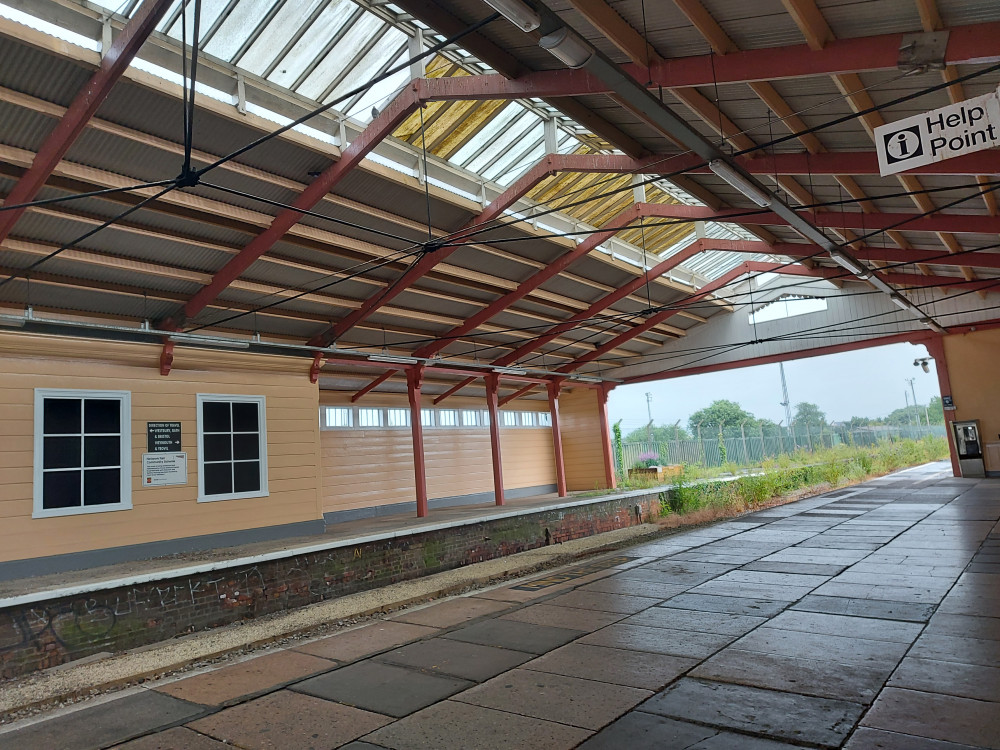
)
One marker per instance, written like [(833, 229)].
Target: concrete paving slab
[(627, 605), (865, 738), (940, 717), (879, 610), (108, 723), (451, 725), (382, 688), (674, 618), (632, 587), (571, 618), (554, 697), (841, 625), (950, 678), (734, 605), (249, 677), (964, 626), (520, 636), (178, 738), (799, 718), (839, 649), (956, 648), (452, 612), (289, 720), (638, 730), (619, 666), (658, 640), (816, 676), (468, 661), (367, 640)]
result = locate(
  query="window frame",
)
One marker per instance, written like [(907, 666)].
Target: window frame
[(124, 449), (262, 437), (324, 417)]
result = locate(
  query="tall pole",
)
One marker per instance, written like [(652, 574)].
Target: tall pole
[(784, 394), (649, 413), (908, 412), (915, 408)]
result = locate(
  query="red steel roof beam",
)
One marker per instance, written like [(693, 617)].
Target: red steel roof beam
[(86, 103)]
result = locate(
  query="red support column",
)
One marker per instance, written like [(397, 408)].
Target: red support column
[(602, 415), (414, 379), (82, 109), (557, 450), (935, 347), (492, 387)]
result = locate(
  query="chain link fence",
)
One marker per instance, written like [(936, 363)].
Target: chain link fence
[(749, 449)]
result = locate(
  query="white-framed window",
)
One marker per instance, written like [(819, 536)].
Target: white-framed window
[(232, 447), (544, 419), (397, 417), (509, 418), (427, 417), (447, 418), (83, 452), (527, 418), (369, 417), (338, 417), (486, 418)]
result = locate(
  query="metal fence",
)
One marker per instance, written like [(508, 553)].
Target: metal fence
[(751, 450)]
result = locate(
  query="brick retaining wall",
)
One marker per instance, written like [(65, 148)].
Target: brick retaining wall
[(48, 633)]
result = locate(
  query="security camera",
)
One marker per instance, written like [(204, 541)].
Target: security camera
[(922, 363)]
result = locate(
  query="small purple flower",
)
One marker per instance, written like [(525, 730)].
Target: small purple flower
[(649, 456)]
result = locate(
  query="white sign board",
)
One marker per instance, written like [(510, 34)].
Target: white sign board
[(164, 469), (957, 129)]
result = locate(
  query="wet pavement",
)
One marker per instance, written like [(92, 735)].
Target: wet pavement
[(865, 618)]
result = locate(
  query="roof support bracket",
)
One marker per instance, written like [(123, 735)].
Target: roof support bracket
[(923, 51), (167, 358)]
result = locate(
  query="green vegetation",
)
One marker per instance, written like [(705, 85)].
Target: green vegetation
[(832, 466)]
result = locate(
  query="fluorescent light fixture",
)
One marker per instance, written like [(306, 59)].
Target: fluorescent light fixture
[(728, 172), (585, 378), (846, 261), (901, 302), (567, 47), (212, 341), (509, 371), (12, 321), (876, 282), (392, 359), (521, 15), (937, 328)]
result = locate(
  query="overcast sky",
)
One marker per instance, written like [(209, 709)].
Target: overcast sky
[(865, 383)]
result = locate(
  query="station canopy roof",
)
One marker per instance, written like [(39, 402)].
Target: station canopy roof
[(423, 179)]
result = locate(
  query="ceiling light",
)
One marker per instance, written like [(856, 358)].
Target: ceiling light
[(934, 326), (392, 359), (876, 282), (846, 261), (521, 15), (567, 47), (585, 378), (212, 341), (509, 371), (729, 173), (12, 321), (901, 302)]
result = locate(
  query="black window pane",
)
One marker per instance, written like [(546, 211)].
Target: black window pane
[(61, 489), (102, 486), (217, 448), (247, 476), (246, 446), (215, 416), (61, 416), (61, 452), (218, 479), (102, 451), (102, 415), (245, 418)]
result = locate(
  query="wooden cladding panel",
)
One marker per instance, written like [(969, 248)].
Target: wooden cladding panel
[(160, 513), (583, 454), (366, 467)]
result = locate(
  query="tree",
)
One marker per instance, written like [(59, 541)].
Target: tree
[(660, 433), (935, 410), (809, 414), (721, 415)]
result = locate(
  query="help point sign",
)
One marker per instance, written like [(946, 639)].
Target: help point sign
[(950, 131)]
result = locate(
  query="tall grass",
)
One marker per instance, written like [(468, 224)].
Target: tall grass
[(786, 474)]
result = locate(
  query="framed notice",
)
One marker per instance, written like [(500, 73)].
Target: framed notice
[(164, 469), (163, 437)]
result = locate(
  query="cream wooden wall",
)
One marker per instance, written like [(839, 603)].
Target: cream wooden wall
[(583, 454), (363, 467), (161, 513), (973, 361)]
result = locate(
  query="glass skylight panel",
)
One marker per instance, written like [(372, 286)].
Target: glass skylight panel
[(276, 34), (514, 160), (329, 23), (238, 27), (385, 48), (486, 134), (334, 64), (503, 141), (524, 163), (210, 12), (379, 94)]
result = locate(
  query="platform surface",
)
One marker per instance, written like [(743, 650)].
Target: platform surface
[(865, 618)]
